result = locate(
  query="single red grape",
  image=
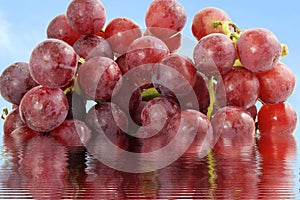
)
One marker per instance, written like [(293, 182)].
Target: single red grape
[(276, 84), (258, 49), (59, 28), (165, 18), (43, 109), (15, 81), (86, 17), (203, 21), (120, 33), (53, 63), (278, 119), (12, 121)]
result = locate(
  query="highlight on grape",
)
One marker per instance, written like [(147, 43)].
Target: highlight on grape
[(132, 95)]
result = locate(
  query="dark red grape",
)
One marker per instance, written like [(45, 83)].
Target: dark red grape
[(276, 84), (157, 113), (12, 121), (277, 119), (120, 33), (258, 49), (86, 17), (174, 75), (202, 94), (203, 21), (15, 81), (43, 109), (107, 118), (193, 129), (72, 133), (53, 63), (22, 135), (145, 50), (121, 61), (165, 18), (234, 130), (136, 113), (253, 112), (91, 46), (218, 48), (241, 87), (59, 28), (98, 77)]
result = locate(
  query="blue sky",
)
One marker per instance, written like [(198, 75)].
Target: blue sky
[(23, 24)]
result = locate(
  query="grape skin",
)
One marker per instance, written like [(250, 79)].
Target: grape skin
[(165, 18), (276, 84), (277, 119), (91, 46), (120, 33), (12, 121), (258, 49), (218, 48), (241, 86), (203, 21), (53, 63), (15, 81), (86, 17), (98, 77), (59, 28), (43, 109)]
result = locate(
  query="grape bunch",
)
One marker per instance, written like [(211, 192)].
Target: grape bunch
[(91, 79)]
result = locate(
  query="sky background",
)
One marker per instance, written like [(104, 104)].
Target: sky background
[(23, 25)]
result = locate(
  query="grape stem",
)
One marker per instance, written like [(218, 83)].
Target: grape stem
[(227, 29), (212, 97), (150, 93), (4, 113)]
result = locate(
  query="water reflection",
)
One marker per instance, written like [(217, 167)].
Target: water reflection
[(41, 168)]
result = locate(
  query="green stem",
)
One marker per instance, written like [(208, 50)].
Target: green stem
[(212, 97), (211, 162), (284, 50), (150, 93)]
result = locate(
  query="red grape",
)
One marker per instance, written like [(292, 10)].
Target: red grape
[(15, 81), (120, 33), (59, 28), (98, 77), (53, 63), (174, 75), (12, 121), (72, 133), (165, 18), (276, 84), (86, 17), (203, 21), (91, 46), (235, 130), (241, 87), (191, 125), (218, 48), (258, 49), (77, 106), (43, 109), (278, 119), (157, 113), (145, 50)]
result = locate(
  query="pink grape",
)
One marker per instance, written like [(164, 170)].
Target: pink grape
[(165, 18), (145, 50), (203, 21), (86, 17), (12, 122), (91, 46), (241, 86), (15, 81), (276, 84), (120, 33), (98, 76), (43, 109), (258, 49), (53, 63), (219, 49), (59, 28)]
